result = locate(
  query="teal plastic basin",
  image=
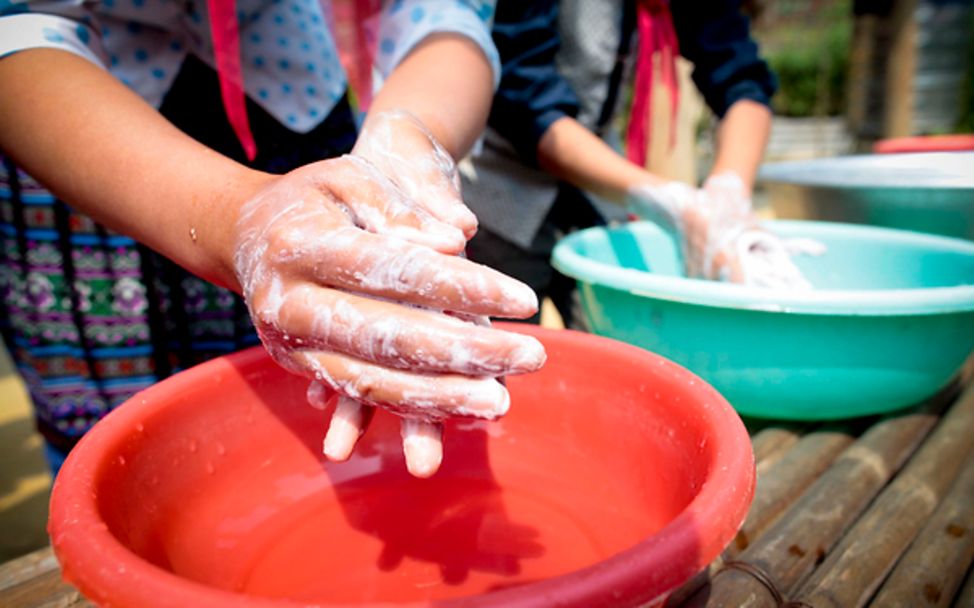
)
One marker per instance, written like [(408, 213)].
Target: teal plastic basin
[(890, 322)]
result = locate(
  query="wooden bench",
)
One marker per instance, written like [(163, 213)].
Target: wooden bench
[(876, 512)]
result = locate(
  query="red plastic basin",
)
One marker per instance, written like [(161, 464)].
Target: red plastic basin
[(925, 143), (615, 477)]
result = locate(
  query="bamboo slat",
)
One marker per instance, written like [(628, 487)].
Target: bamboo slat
[(27, 567), (965, 599), (47, 591), (859, 563), (35, 580), (781, 558), (771, 443), (776, 488), (787, 480), (933, 568)]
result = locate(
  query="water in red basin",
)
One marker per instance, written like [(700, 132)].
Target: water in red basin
[(615, 477)]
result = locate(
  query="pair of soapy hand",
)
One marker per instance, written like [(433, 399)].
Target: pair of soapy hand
[(720, 236), (353, 274)]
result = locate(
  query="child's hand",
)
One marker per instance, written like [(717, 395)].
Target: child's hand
[(345, 276), (720, 236), (405, 151), (401, 146)]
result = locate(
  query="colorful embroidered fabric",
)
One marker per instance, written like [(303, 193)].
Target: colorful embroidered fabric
[(89, 316)]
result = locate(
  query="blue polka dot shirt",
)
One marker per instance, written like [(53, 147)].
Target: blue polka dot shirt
[(288, 55)]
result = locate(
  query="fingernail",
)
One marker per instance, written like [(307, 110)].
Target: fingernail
[(465, 219), (520, 301), (343, 431), (439, 236), (339, 441), (449, 239), (489, 399), (422, 444), (528, 356), (319, 395)]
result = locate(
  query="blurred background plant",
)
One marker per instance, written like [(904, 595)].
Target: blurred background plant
[(807, 44), (965, 123), (884, 68)]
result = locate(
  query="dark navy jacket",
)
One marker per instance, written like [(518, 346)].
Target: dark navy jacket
[(713, 34)]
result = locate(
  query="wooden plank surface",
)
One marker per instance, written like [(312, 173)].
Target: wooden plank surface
[(869, 551), (776, 563), (35, 581), (931, 572), (844, 506)]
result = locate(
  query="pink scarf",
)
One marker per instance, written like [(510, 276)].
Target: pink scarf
[(356, 50), (656, 35)]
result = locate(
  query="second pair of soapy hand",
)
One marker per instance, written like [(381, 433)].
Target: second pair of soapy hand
[(720, 236), (352, 271)]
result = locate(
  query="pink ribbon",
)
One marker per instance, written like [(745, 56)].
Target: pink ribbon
[(654, 24), (226, 51), (350, 25)]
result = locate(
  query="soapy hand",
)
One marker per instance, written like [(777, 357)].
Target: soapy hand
[(405, 151), (345, 276), (720, 236), (401, 146)]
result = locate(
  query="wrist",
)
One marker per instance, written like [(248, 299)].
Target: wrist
[(728, 181), (641, 179), (212, 230), (662, 202)]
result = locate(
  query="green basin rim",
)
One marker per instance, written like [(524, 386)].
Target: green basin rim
[(872, 302)]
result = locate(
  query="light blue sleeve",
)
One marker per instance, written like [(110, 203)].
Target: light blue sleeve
[(405, 23), (62, 25)]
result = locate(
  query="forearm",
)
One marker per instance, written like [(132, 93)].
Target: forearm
[(100, 147), (574, 154), (446, 83), (741, 140)]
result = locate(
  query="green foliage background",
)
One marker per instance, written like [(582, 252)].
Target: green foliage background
[(809, 52)]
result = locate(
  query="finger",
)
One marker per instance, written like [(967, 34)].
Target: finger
[(422, 444), (428, 396), (478, 320), (376, 204), (805, 246), (403, 148), (399, 270), (765, 262), (399, 336), (320, 396), (347, 425)]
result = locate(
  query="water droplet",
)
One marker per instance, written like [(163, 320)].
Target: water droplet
[(193, 445), (209, 468), (121, 460), (139, 427), (220, 449)]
